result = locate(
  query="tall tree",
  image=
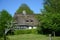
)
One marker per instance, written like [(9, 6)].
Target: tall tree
[(50, 19), (5, 18), (24, 7), (52, 6)]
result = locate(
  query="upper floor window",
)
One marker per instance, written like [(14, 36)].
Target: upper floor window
[(31, 20), (27, 20)]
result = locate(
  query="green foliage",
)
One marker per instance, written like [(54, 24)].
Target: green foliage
[(50, 17), (24, 7), (32, 31), (52, 6), (5, 17), (49, 23)]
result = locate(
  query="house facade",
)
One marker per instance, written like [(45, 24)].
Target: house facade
[(25, 21)]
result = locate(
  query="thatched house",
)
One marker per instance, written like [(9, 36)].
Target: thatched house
[(25, 21)]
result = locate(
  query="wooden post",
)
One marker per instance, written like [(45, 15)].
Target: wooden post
[(54, 33), (50, 37)]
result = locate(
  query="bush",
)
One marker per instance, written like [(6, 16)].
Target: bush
[(28, 31), (48, 23)]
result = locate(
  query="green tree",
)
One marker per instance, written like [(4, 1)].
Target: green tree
[(24, 7), (52, 6), (49, 19), (5, 18), (49, 22)]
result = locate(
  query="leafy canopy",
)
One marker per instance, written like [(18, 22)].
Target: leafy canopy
[(50, 18), (5, 18), (52, 6), (24, 7)]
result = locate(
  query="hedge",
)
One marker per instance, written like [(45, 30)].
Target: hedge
[(28, 31)]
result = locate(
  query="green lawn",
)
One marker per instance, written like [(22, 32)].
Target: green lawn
[(31, 37)]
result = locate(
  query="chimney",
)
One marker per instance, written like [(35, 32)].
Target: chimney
[(24, 12)]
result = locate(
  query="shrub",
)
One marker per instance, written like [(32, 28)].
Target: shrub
[(28, 31)]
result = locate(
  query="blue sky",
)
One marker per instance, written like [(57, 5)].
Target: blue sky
[(12, 5)]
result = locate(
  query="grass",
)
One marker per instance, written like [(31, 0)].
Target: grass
[(31, 37)]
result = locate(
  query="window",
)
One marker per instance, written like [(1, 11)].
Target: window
[(31, 20), (27, 20)]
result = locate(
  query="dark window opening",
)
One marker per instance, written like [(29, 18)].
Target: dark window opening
[(27, 20)]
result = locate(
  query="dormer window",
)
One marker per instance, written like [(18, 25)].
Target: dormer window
[(31, 20), (27, 20)]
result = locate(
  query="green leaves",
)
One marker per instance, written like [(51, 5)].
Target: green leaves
[(50, 19), (4, 18), (50, 22), (24, 7), (52, 6)]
